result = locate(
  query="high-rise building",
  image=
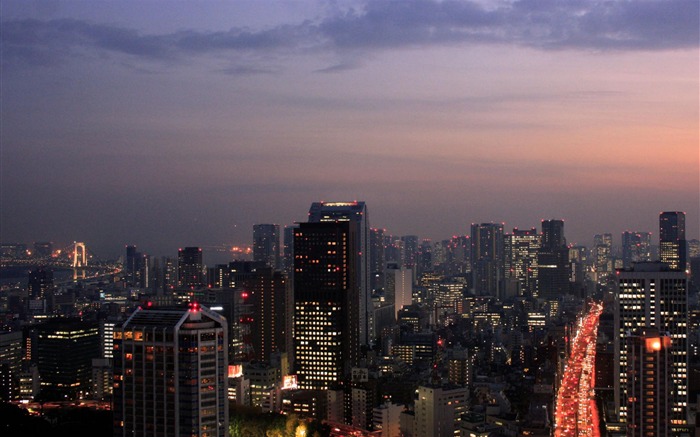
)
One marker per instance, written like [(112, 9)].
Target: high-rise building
[(672, 243), (168, 274), (649, 367), (553, 234), (409, 251), (170, 373), (132, 265), (266, 294), (326, 315), (10, 364), (399, 287), (651, 295), (377, 259), (603, 257), (356, 214), (189, 267), (64, 352), (636, 247), (553, 262), (488, 259), (289, 249), (266, 245), (424, 257), (39, 283), (521, 249)]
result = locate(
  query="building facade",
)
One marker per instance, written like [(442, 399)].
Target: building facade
[(266, 245), (170, 373), (189, 267), (651, 295), (327, 337), (672, 243)]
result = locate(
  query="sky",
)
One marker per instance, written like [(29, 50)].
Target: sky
[(171, 124)]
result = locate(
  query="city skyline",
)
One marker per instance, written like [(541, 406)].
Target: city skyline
[(127, 124)]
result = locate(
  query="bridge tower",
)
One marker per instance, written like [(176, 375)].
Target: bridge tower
[(79, 255)]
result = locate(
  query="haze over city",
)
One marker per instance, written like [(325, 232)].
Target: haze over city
[(166, 125)]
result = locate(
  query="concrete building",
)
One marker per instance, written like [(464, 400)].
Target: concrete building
[(170, 373), (651, 295), (438, 410)]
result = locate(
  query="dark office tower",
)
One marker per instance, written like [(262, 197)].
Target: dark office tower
[(10, 364), (672, 243), (131, 265), (266, 245), (64, 352), (356, 213), (488, 259), (189, 267), (603, 257), (170, 373), (410, 251), (377, 260), (39, 283), (636, 247), (169, 273), (553, 262), (521, 249), (327, 336), (42, 249), (218, 276), (268, 293), (459, 255), (392, 250), (553, 234), (424, 257), (651, 295), (289, 249), (649, 366), (265, 289)]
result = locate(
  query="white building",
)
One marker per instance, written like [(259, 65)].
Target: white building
[(438, 410)]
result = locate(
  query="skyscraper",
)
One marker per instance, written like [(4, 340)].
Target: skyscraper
[(170, 368), (521, 249), (649, 366), (132, 265), (651, 295), (636, 247), (603, 257), (266, 245), (377, 259), (288, 238), (672, 243), (409, 251), (326, 294), (266, 295), (189, 267), (356, 213), (553, 262), (64, 352), (488, 259), (39, 282)]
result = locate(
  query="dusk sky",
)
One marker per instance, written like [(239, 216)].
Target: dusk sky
[(168, 124)]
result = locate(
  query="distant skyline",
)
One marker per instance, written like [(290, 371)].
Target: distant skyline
[(185, 123)]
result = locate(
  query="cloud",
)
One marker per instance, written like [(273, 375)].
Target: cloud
[(545, 24), (246, 70), (541, 24), (339, 67)]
